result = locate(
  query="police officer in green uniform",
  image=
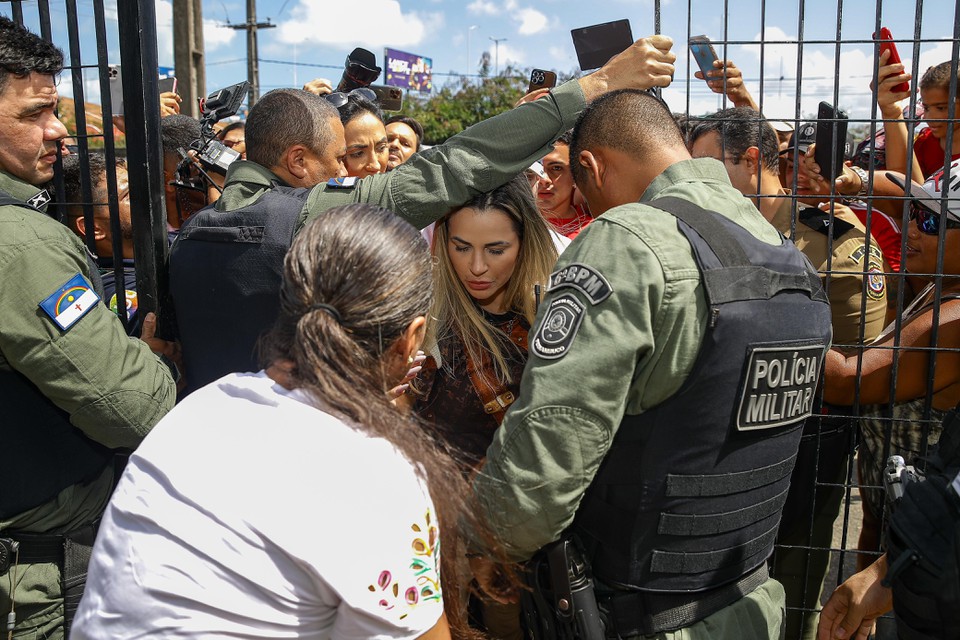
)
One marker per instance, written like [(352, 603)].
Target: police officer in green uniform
[(669, 376), (295, 142), (852, 270), (73, 387)]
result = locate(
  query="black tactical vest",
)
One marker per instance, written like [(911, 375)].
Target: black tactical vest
[(45, 453), (690, 494), (225, 273)]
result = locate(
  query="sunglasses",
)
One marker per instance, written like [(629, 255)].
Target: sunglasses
[(339, 98), (928, 222)]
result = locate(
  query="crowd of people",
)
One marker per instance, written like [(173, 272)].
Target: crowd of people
[(385, 376)]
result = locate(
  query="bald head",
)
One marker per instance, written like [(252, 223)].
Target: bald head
[(632, 122)]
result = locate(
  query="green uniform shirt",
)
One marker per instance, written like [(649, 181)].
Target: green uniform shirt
[(475, 161), (436, 180), (112, 386), (632, 351), (841, 263)]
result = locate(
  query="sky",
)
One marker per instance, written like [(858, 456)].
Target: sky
[(312, 37)]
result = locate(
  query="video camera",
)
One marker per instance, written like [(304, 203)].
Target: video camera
[(359, 70), (222, 103)]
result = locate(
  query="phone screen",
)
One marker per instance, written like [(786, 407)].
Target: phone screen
[(704, 53), (830, 148), (598, 43)]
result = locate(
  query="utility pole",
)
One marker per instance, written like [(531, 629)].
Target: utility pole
[(253, 63), (188, 54), (496, 63)]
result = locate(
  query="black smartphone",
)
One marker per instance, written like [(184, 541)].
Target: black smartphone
[(541, 79), (389, 98), (831, 140), (704, 53), (598, 43)]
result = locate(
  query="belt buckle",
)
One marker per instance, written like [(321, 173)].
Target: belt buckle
[(499, 403)]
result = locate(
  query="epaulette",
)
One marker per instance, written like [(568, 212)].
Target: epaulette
[(820, 221)]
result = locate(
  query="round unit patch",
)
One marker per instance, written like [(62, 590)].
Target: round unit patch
[(558, 328)]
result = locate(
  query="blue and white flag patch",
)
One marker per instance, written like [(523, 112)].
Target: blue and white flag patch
[(342, 183), (70, 302)]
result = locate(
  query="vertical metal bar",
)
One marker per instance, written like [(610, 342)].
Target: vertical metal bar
[(80, 115), (109, 153), (686, 109), (17, 12), (763, 46), (43, 7), (141, 99)]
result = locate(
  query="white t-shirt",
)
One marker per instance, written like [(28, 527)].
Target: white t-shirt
[(248, 513)]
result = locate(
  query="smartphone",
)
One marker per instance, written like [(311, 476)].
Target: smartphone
[(389, 98), (116, 88), (168, 85), (541, 79), (598, 43), (830, 149), (887, 44), (704, 53)]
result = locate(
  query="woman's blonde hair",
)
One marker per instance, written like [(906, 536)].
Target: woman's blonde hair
[(455, 313)]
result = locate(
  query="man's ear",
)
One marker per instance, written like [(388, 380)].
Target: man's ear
[(752, 157), (80, 226), (293, 161), (594, 166)]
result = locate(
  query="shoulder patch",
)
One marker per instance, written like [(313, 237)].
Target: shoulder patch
[(820, 221), (585, 279), (342, 183), (39, 200), (559, 327), (70, 302)]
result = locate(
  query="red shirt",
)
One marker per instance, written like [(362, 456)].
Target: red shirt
[(885, 231), (929, 152), (570, 227)]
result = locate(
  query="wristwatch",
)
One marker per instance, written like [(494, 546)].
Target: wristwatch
[(864, 179)]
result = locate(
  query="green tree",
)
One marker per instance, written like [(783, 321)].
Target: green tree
[(467, 101)]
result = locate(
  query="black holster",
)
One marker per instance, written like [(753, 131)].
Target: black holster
[(560, 603), (70, 552)]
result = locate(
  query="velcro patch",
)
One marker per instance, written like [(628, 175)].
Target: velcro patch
[(40, 199), (342, 183), (779, 385), (70, 302), (558, 328), (585, 279)]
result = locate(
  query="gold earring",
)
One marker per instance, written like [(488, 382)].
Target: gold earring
[(409, 359)]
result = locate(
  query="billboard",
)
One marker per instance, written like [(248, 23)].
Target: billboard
[(408, 70)]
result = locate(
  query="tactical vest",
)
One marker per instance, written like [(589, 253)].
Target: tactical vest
[(47, 454), (690, 494), (226, 268)]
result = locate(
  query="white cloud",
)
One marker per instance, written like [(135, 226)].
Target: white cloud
[(531, 21), (483, 7), (508, 55), (383, 22), (215, 35)]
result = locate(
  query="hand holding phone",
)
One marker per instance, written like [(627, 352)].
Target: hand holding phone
[(887, 44), (829, 152), (704, 53)]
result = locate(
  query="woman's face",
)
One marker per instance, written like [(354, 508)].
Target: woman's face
[(235, 140), (921, 256), (483, 247), (366, 146)]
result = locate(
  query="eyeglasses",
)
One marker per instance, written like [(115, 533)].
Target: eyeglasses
[(928, 222), (339, 98)]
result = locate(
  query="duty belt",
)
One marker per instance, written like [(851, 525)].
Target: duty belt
[(645, 613)]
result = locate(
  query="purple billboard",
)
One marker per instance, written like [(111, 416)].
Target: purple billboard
[(408, 71)]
